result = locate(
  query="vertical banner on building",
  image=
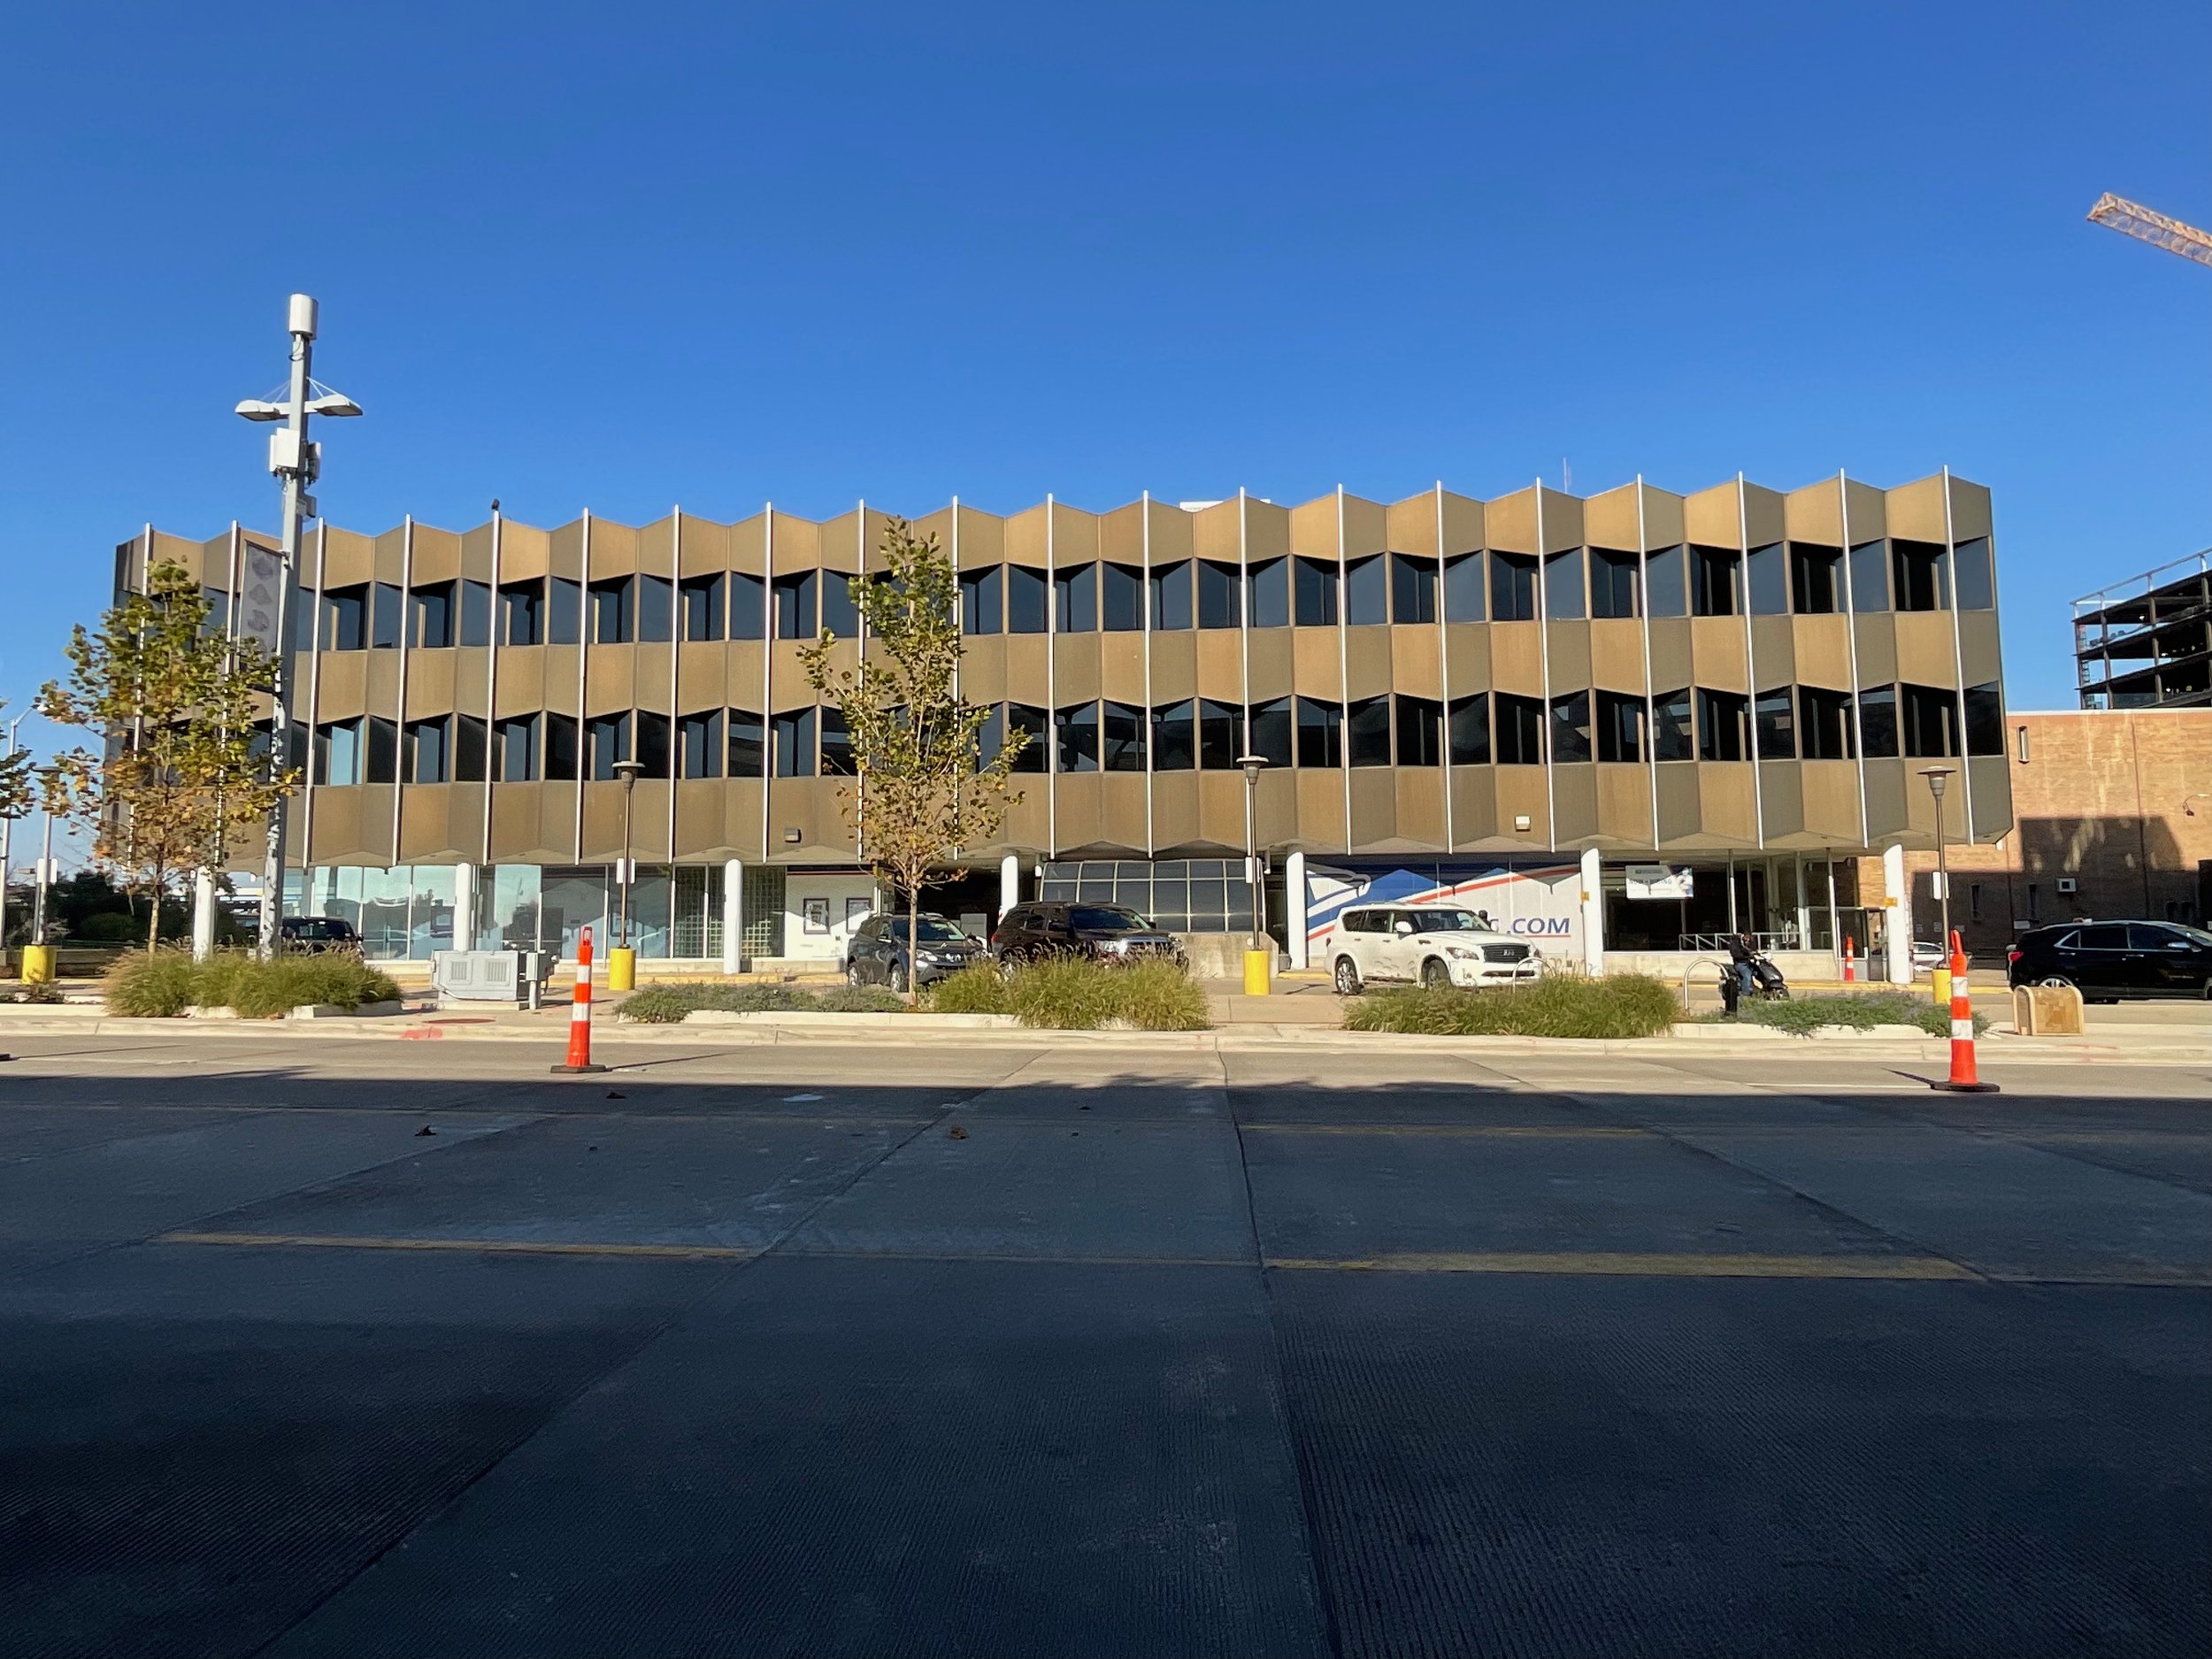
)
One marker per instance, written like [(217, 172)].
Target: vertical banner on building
[(261, 595), (1540, 901)]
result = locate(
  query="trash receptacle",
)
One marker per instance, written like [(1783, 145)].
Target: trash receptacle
[(38, 963)]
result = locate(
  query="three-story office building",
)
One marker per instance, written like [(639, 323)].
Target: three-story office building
[(1622, 722)]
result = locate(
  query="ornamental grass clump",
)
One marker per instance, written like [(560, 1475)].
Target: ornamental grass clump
[(1860, 1011), (667, 1005), (162, 984), (1565, 1005), (1075, 993)]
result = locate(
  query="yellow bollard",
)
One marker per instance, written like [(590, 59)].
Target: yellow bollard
[(38, 963), (622, 969), (1941, 978), (1258, 966)]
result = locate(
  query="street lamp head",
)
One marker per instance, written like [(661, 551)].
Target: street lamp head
[(628, 771), (262, 409), (337, 405), (1253, 764), (1936, 777)]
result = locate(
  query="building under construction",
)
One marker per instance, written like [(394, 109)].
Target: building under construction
[(2146, 643)]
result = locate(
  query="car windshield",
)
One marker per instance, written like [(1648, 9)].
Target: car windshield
[(1446, 921), (1108, 918), (2194, 935), (928, 927)]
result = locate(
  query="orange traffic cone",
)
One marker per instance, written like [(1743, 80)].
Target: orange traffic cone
[(1850, 970), (580, 1015), (1963, 1079)]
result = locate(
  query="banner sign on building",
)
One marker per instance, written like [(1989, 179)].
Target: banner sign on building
[(1659, 881), (1538, 900)]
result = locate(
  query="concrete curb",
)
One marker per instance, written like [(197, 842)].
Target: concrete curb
[(920, 1031)]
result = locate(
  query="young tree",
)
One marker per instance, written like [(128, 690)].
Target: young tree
[(17, 788), (181, 763), (922, 788)]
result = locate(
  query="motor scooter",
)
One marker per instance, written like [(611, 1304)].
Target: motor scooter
[(1750, 974)]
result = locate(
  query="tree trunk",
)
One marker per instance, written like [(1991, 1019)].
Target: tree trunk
[(153, 925), (913, 931)]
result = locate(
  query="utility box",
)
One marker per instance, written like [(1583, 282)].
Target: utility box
[(486, 976), (2047, 1010)]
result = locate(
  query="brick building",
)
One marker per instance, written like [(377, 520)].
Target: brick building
[(2112, 818)]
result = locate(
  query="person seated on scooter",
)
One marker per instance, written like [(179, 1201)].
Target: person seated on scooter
[(1741, 954)]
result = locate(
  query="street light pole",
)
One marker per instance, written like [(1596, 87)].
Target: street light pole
[(46, 868), (7, 842), (1254, 765), (627, 770), (1938, 777), (297, 463)]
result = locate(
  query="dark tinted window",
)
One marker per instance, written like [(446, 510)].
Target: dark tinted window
[(1220, 604), (703, 607), (1931, 718), (433, 624), (387, 605), (1175, 737), (1412, 588), (1220, 735), (837, 743), (1613, 582), (1869, 576), (1172, 596), (982, 600), (749, 607), (1824, 723), (2150, 936), (1471, 730), (1075, 735), (2104, 936), (1976, 579), (1917, 575), (1106, 918), (1269, 595), (472, 745), (1816, 580), (1877, 722), (1512, 587), (564, 612), (1463, 589), (608, 741), (1985, 719), (1123, 728), (521, 612), (1666, 590), (795, 600), (699, 744), (1620, 727), (564, 747), (1121, 599), (1776, 721), (1036, 753), (1571, 726), (656, 609), (1320, 732), (1519, 729), (1563, 585), (1769, 580), (1672, 734), (1715, 575), (1317, 594), (1721, 719), (611, 614), (1075, 599), (1366, 591), (653, 744), (1270, 731), (840, 615), (1420, 732), (1025, 600), (1367, 732), (792, 736), (747, 749)]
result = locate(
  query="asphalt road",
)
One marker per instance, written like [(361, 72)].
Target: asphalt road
[(1017, 1350)]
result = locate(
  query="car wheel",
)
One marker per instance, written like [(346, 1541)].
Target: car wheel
[(1434, 974), (898, 977), (852, 974), (1347, 977), (2055, 982)]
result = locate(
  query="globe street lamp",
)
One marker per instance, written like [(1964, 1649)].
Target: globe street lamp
[(1938, 777), (297, 461), (1258, 958)]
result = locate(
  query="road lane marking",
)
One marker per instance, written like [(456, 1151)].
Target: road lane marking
[(496, 1247), (1633, 1264), (1503, 1131)]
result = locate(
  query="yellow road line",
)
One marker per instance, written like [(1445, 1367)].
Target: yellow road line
[(1628, 1263), (498, 1247), (1540, 1132)]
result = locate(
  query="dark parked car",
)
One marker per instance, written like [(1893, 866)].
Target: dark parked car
[(316, 934), (2106, 961), (1108, 933), (877, 955)]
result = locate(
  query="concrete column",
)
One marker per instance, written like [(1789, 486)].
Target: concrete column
[(1897, 914), (1804, 908), (1593, 912), (465, 907), (1010, 882), (1295, 908), (202, 915), (732, 915)]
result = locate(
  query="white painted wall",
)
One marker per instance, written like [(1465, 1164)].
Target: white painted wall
[(799, 945)]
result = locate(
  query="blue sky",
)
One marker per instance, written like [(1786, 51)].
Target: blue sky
[(632, 258)]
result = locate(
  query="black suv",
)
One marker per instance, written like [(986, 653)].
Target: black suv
[(2106, 961), (315, 934), (1108, 933), (877, 955)]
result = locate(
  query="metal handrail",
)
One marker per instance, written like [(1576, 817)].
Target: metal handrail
[(1784, 940)]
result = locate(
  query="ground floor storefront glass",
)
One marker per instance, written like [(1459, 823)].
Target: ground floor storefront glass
[(407, 912)]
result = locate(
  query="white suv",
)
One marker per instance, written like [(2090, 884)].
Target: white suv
[(1425, 943)]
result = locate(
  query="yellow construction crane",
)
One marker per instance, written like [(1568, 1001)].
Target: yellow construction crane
[(2116, 212)]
